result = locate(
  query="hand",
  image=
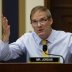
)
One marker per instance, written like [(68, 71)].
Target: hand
[(6, 29)]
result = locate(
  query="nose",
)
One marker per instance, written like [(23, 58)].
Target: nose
[(39, 24)]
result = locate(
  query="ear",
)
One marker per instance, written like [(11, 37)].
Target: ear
[(51, 21)]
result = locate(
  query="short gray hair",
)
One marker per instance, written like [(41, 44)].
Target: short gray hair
[(40, 8)]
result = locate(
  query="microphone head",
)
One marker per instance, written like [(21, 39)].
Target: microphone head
[(44, 48)]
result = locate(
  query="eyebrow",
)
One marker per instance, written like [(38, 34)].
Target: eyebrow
[(41, 18)]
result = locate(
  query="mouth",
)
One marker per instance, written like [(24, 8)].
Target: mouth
[(40, 30)]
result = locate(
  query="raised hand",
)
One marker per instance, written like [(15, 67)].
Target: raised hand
[(6, 29)]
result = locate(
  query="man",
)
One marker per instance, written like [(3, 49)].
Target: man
[(58, 42)]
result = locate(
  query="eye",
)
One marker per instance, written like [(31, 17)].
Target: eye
[(34, 21), (43, 19)]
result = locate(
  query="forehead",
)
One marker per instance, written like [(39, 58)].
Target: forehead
[(39, 14)]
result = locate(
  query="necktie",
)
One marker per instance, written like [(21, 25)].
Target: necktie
[(45, 49)]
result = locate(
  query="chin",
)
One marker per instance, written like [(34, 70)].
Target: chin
[(41, 34)]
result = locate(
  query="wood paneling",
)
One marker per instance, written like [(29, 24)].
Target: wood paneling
[(47, 3), (62, 14), (21, 17)]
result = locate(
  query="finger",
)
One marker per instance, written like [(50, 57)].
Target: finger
[(5, 22), (5, 25), (7, 31)]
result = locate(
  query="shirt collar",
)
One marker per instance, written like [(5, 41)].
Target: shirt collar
[(37, 38), (52, 36)]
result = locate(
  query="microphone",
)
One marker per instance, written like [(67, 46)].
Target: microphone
[(45, 49)]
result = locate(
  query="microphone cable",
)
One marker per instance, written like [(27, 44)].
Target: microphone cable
[(45, 49)]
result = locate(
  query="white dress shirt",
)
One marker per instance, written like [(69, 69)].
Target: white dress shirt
[(59, 43)]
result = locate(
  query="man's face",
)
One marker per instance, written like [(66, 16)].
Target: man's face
[(41, 23)]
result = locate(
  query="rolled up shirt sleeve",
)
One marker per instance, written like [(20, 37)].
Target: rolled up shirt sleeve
[(11, 51), (4, 50)]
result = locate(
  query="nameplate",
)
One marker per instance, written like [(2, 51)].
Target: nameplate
[(44, 60)]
